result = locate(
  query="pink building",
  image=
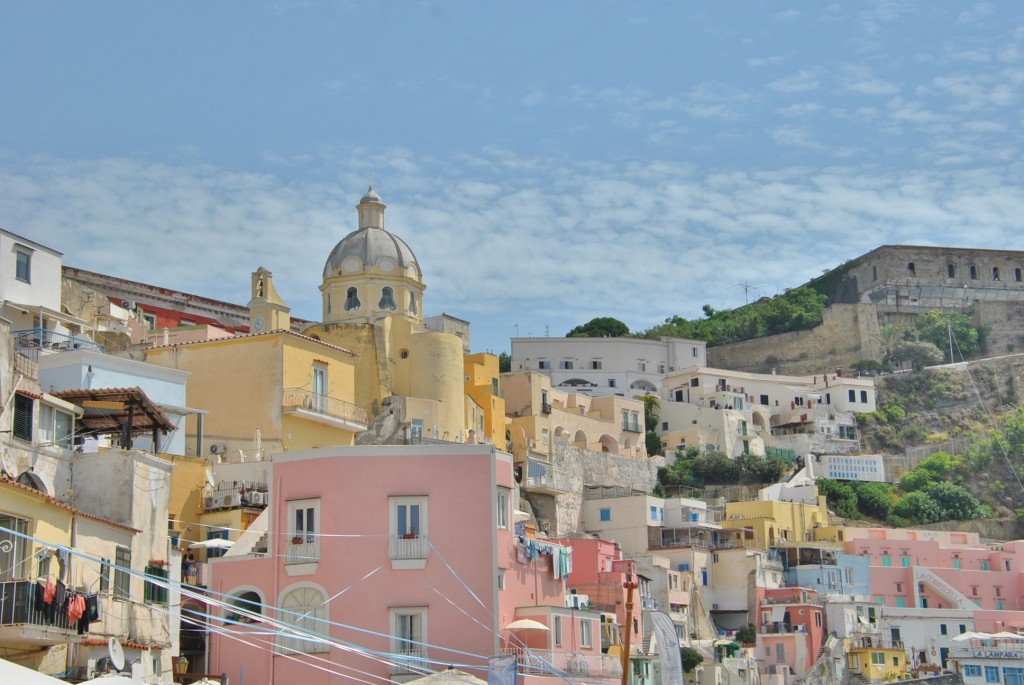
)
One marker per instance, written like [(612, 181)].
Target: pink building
[(942, 570), (387, 562), (791, 631)]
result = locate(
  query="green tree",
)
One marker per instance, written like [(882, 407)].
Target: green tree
[(841, 498), (887, 337), (653, 443), (917, 508), (936, 327), (652, 411), (504, 362), (917, 353), (874, 499), (955, 503), (601, 327), (691, 658)]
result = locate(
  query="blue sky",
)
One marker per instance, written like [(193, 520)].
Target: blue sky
[(548, 162)]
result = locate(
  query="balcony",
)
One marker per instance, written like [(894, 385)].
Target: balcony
[(323, 409), (549, 661), (543, 479), (31, 342), (302, 550), (22, 624), (545, 408), (410, 661), (194, 573), (408, 551)]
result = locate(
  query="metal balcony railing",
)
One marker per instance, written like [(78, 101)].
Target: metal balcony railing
[(298, 398), (302, 550), (18, 606), (31, 341), (410, 660)]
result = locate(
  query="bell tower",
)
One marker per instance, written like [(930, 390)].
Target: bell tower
[(267, 311)]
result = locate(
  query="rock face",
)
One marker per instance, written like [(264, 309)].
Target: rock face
[(572, 470)]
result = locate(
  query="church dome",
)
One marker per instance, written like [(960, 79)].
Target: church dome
[(371, 245)]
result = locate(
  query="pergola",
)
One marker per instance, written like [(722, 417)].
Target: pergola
[(126, 412)]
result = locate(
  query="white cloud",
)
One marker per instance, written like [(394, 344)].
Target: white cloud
[(540, 242), (805, 79)]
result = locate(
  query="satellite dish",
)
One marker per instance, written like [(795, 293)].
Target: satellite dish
[(7, 463), (116, 653), (209, 480)]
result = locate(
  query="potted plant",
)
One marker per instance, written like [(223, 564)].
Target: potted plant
[(297, 540)]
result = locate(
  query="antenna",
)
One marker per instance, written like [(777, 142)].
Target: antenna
[(747, 287)]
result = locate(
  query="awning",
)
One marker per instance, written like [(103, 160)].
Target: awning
[(51, 314), (112, 411), (778, 614)]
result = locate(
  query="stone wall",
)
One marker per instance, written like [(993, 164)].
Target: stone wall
[(843, 337)]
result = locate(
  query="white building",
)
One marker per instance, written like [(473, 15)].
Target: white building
[(629, 367), (861, 467)]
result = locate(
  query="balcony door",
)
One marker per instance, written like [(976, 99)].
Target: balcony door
[(320, 388)]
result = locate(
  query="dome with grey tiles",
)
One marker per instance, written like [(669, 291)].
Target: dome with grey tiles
[(371, 244)]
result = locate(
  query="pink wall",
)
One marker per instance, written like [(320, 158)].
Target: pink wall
[(457, 585)]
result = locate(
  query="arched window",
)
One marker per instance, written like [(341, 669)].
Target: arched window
[(1017, 275), (352, 299), (387, 299), (306, 609), (950, 271), (911, 271), (245, 607), (412, 303), (974, 273), (995, 273), (328, 302)]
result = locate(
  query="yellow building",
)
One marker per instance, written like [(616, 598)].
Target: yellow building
[(408, 376), (296, 391), (775, 522), (876, 661), (485, 407)]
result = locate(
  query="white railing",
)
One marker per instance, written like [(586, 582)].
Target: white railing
[(547, 661), (403, 547), (410, 660)]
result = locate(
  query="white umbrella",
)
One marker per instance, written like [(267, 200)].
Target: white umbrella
[(526, 624), (970, 635), (212, 543), (111, 679), (449, 676), (1007, 635), (13, 673)]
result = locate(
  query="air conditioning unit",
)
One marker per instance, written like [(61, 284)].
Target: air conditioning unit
[(259, 498), (218, 448), (218, 501)]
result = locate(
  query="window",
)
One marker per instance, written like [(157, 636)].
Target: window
[(565, 364), (894, 633), (874, 273), (974, 273), (545, 436), (694, 382), (216, 534), (654, 513), (409, 517), (305, 608), (503, 507), (409, 632), (956, 563), (595, 364), (661, 368), (605, 514), (780, 652), (352, 300), (995, 273), (150, 320), (625, 419), (911, 269), (611, 382), (23, 264), (55, 426), (387, 299), (852, 395), (13, 548), (950, 271), (984, 564), (972, 670), (905, 561), (1017, 275), (23, 417), (245, 606), (864, 396), (501, 579), (878, 658), (558, 631), (635, 416), (586, 628), (886, 560), (156, 589), (543, 364), (104, 575), (302, 517), (641, 365), (694, 350), (991, 674), (963, 628), (901, 602), (122, 576), (943, 630), (412, 303)]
